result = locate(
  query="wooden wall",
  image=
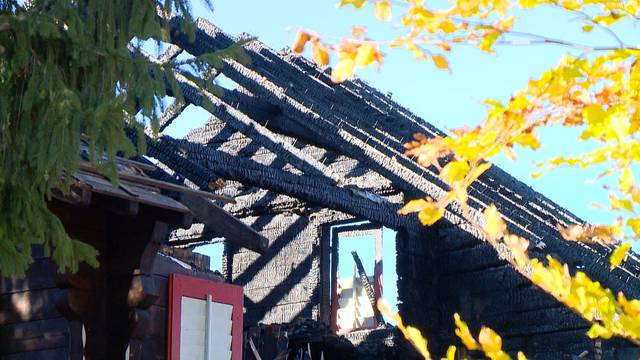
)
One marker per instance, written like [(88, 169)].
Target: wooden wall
[(30, 325), (284, 283), (449, 270)]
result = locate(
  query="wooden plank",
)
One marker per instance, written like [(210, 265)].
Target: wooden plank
[(79, 194), (32, 329), (225, 224), (61, 353), (49, 340), (161, 184), (40, 275), (28, 306)]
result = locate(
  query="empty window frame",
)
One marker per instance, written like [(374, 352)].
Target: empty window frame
[(352, 275)]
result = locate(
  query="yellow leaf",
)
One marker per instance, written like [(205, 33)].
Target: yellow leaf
[(505, 24), (599, 331), (356, 3), (617, 203), (529, 140), (518, 247), (413, 206), (479, 170), (462, 331), (490, 341), (430, 214), (532, 3), (634, 224), (320, 53), (455, 171), (630, 307), (626, 180), (358, 31), (521, 356), (451, 353), (345, 67), (488, 40), (418, 341), (448, 26), (383, 10), (619, 254), (441, 62), (494, 225), (367, 53), (587, 28), (300, 41), (571, 4)]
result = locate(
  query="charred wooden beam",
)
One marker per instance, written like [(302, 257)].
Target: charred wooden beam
[(171, 114), (225, 224), (368, 288), (172, 157)]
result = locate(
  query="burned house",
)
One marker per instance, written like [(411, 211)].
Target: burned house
[(307, 159), (312, 164)]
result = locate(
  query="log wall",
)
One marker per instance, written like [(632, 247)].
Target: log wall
[(448, 270), (30, 325)]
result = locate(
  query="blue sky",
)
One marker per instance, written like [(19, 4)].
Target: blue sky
[(447, 99)]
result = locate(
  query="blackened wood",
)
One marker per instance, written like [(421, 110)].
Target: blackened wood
[(171, 114), (368, 288), (256, 131), (225, 224)]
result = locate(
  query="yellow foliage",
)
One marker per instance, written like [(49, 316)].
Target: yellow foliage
[(462, 331), (412, 334), (451, 353), (440, 61), (344, 69), (300, 41), (320, 53), (494, 225), (430, 214), (491, 344), (366, 54), (356, 3), (455, 171), (383, 10), (619, 254)]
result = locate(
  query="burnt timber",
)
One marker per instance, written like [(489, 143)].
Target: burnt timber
[(300, 154)]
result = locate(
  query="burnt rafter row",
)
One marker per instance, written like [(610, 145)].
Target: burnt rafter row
[(245, 125), (250, 128), (304, 187)]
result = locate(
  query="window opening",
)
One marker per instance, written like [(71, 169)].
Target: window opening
[(356, 278)]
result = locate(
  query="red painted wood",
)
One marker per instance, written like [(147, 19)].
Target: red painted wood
[(182, 285)]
